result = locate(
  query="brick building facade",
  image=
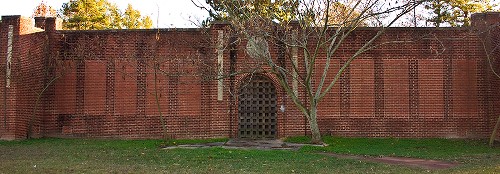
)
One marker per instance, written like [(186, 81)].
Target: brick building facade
[(134, 84)]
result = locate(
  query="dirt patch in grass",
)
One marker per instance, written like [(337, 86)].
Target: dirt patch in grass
[(408, 162), (244, 144)]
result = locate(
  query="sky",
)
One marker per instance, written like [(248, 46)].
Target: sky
[(172, 13)]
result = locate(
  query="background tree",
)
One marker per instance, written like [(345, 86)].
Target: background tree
[(455, 13), (147, 22), (87, 14), (132, 19), (44, 10), (277, 10), (342, 11), (314, 21), (101, 14), (116, 17)]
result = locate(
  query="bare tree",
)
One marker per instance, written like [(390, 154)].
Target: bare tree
[(491, 60), (315, 37)]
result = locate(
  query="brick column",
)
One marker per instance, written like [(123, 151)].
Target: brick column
[(223, 106), (49, 117), (9, 37), (487, 26)]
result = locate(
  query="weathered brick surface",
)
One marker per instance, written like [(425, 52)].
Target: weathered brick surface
[(19, 102), (102, 83)]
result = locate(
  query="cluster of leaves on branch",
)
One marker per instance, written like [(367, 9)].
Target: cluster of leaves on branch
[(101, 14), (455, 13)]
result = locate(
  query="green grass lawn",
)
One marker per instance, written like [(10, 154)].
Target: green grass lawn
[(145, 156)]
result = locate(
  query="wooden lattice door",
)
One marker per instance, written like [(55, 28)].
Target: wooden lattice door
[(257, 109)]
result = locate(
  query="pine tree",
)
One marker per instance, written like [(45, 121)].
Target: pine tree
[(101, 14), (279, 10)]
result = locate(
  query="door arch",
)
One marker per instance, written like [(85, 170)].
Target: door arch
[(257, 109)]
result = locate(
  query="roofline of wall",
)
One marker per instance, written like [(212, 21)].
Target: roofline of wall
[(202, 29), (227, 23), (137, 30)]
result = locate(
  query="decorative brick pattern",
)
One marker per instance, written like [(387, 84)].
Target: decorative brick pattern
[(345, 91), (447, 85), (413, 86), (80, 86), (379, 87), (110, 87), (141, 87)]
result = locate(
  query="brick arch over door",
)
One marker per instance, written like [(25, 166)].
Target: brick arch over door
[(257, 108)]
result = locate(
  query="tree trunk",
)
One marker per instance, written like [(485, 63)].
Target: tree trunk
[(494, 133), (313, 122)]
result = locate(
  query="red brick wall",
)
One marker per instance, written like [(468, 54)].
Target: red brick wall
[(434, 86), (421, 88), (110, 89)]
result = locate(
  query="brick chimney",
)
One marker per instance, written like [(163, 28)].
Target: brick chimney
[(48, 23)]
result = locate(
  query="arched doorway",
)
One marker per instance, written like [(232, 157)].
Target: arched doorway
[(257, 109)]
